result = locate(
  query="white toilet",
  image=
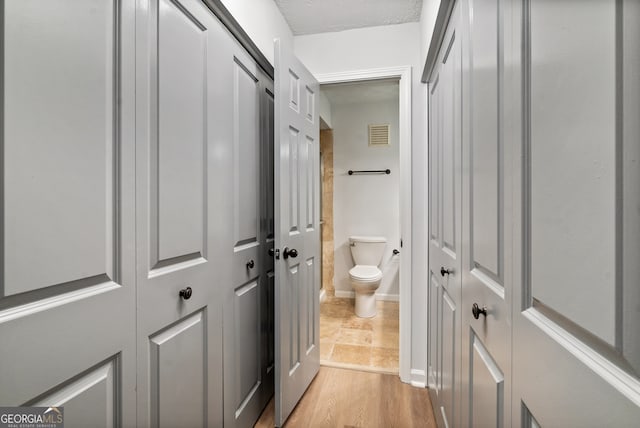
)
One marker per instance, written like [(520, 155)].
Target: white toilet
[(365, 275)]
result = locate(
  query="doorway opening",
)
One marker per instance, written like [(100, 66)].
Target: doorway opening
[(365, 193)]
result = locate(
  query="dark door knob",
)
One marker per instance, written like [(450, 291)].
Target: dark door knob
[(186, 293), (444, 271), (475, 309), (271, 251), (286, 253), (250, 264), (396, 252)]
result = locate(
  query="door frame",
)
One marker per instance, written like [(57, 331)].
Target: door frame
[(404, 137)]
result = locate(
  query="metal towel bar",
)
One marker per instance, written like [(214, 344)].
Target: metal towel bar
[(371, 171)]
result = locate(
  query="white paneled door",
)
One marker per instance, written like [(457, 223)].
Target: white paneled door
[(245, 127), (136, 199), (297, 230), (576, 174), (535, 131), (181, 264), (445, 243), (486, 256), (67, 291)]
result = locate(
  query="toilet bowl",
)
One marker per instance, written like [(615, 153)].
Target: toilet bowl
[(365, 276)]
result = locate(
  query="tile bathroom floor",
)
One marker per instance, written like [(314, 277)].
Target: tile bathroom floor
[(369, 344)]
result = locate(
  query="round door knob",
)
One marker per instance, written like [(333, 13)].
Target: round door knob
[(475, 309), (186, 293), (250, 264), (444, 271), (286, 253)]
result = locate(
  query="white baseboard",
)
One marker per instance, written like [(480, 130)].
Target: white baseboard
[(388, 297), (344, 294), (418, 378)]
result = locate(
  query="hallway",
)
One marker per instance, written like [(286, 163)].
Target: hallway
[(170, 255), (349, 398)]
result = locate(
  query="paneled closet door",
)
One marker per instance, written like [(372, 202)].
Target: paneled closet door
[(297, 230), (67, 287), (181, 220), (486, 256), (575, 109), (445, 244), (244, 125)]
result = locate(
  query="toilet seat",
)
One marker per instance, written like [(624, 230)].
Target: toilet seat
[(364, 273)]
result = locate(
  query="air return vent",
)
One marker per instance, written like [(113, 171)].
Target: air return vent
[(379, 135)]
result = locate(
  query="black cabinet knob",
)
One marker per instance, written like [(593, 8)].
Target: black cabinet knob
[(475, 309), (286, 253), (444, 271), (271, 251), (396, 252), (250, 264), (186, 293)]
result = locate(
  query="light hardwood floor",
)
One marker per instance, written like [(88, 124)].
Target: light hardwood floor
[(348, 399)]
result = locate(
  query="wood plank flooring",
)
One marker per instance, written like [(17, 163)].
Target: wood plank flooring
[(349, 399)]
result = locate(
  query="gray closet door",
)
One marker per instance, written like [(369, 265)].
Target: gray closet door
[(244, 125), (486, 255), (445, 245), (297, 230), (67, 296), (180, 214), (577, 221)]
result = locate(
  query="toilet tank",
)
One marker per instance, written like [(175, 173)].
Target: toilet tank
[(367, 250)]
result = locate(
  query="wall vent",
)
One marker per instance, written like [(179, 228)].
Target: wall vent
[(379, 135)]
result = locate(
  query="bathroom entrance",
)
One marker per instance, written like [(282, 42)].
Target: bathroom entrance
[(361, 212)]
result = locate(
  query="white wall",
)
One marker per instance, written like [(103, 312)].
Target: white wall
[(325, 112), (365, 204), (262, 21), (427, 22), (361, 48), (379, 47)]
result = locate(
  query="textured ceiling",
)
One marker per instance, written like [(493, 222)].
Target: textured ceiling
[(321, 16), (365, 92)]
